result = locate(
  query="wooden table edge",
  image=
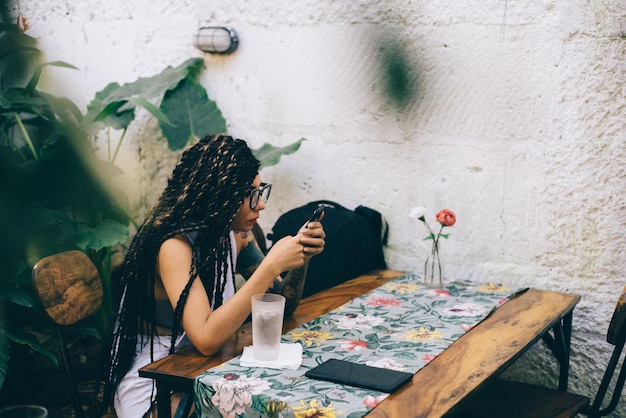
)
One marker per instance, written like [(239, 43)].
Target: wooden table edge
[(427, 384)]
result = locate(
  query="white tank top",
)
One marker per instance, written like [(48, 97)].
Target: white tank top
[(229, 290)]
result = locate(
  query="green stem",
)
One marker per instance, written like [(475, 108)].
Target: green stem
[(435, 260), (433, 253), (108, 144), (26, 136), (107, 286), (439, 265), (14, 145), (119, 144), (428, 226), (436, 249)]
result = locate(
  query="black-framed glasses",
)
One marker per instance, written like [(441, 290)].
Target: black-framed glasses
[(262, 192)]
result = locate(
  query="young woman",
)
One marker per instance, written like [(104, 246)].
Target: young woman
[(178, 277)]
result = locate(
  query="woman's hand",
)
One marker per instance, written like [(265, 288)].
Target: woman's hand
[(290, 252), (312, 237), (286, 254)]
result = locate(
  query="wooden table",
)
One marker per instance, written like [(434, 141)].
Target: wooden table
[(484, 352)]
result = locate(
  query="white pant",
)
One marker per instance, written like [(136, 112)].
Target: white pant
[(134, 393)]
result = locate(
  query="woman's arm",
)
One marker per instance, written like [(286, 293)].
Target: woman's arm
[(208, 330), (292, 285)]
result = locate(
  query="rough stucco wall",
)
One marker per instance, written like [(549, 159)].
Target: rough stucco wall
[(514, 118)]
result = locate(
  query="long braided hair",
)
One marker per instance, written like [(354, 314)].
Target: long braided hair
[(204, 193)]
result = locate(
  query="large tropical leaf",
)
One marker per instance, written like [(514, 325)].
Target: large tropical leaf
[(270, 155), (114, 99), (111, 114), (108, 233), (192, 114), (140, 101)]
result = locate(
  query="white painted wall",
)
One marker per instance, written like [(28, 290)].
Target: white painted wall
[(517, 123)]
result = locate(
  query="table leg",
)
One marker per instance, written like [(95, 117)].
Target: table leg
[(184, 407), (560, 345), (164, 406), (567, 341)]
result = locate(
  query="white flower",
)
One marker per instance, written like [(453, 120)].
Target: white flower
[(233, 395), (359, 322), (386, 363), (418, 212)]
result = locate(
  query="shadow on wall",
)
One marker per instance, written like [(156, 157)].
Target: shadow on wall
[(399, 75)]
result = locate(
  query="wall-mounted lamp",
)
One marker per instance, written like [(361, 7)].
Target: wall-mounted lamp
[(217, 39)]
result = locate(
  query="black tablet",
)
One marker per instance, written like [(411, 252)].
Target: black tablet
[(359, 375)]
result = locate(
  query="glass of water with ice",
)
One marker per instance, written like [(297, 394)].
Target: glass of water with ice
[(267, 325)]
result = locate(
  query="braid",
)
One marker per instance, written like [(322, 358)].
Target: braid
[(204, 193), (182, 300)]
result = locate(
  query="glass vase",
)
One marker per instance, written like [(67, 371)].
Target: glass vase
[(433, 270)]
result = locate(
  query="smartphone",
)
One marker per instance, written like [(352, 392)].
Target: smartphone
[(360, 375), (316, 215)]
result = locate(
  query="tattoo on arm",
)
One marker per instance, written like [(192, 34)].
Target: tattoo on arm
[(292, 286), (249, 259)]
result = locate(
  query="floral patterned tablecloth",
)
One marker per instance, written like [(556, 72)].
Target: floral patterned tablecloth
[(400, 325)]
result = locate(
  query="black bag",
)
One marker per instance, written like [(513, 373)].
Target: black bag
[(354, 242)]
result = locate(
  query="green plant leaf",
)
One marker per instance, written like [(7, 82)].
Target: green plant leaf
[(90, 331), (15, 100), (106, 234), (140, 101), (22, 337), (5, 103), (65, 108), (4, 356), (11, 27), (112, 116), (17, 296), (116, 97), (192, 112), (32, 84), (270, 155)]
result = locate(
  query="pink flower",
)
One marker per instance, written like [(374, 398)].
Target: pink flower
[(383, 301), (428, 357), (352, 345), (439, 292), (373, 402), (466, 327), (446, 217)]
